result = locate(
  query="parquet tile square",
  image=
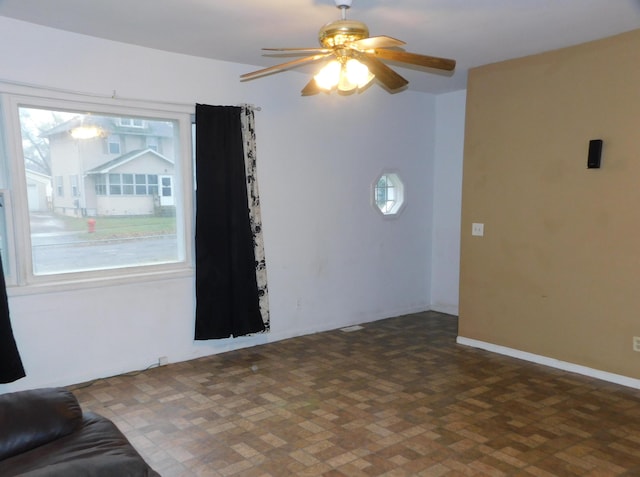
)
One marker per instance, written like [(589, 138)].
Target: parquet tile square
[(396, 398)]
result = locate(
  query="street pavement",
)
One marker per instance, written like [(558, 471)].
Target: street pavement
[(57, 250)]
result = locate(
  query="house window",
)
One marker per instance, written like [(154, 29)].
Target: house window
[(75, 191), (131, 122), (141, 184), (123, 203), (146, 184), (100, 182), (115, 184), (113, 144), (127, 184), (59, 186), (388, 194), (152, 181), (152, 143)]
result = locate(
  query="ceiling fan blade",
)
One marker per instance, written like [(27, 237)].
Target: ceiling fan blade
[(311, 88), (386, 75), (376, 42), (285, 66), (415, 59), (310, 50)]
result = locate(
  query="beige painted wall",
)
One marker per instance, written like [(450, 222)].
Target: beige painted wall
[(557, 272)]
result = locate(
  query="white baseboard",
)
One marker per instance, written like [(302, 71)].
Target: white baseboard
[(551, 362)]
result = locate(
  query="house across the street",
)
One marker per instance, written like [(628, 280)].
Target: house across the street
[(113, 166)]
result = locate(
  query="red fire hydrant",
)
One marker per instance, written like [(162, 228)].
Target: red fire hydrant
[(91, 224)]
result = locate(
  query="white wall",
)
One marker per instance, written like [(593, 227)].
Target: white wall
[(447, 201), (333, 261)]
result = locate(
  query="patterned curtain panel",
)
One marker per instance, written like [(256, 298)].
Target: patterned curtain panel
[(10, 363), (228, 297), (249, 137)]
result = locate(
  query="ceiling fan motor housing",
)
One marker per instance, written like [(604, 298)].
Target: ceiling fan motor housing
[(340, 32)]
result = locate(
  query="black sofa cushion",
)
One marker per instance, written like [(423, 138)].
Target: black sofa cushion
[(44, 433), (97, 449), (30, 419)]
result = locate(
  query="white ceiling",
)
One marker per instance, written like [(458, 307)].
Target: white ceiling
[(473, 32)]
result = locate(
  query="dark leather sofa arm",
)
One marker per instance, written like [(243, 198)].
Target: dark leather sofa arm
[(29, 419)]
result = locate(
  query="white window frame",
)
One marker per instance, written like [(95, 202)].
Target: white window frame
[(59, 185), (75, 185), (400, 191), (114, 140), (153, 143), (9, 257), (22, 279), (130, 122)]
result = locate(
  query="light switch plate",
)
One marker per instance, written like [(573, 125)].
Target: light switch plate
[(477, 230)]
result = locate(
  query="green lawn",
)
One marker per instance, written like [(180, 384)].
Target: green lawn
[(121, 227)]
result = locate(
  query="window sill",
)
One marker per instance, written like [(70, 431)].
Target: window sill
[(98, 282)]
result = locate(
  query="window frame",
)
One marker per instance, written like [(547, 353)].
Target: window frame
[(74, 181), (19, 245), (399, 189), (115, 141), (59, 186)]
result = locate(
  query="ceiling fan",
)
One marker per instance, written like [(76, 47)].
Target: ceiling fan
[(357, 58)]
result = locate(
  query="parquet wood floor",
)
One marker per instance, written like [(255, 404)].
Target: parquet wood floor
[(397, 398)]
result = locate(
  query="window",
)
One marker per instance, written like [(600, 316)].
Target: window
[(101, 184), (152, 143), (113, 144), (127, 181), (115, 184), (126, 184), (59, 186), (75, 191), (388, 194), (146, 184), (166, 187), (153, 185), (131, 122), (132, 230), (141, 184)]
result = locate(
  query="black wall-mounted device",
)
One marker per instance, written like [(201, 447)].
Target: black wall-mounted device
[(595, 154)]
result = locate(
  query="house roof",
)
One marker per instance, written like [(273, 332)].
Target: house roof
[(121, 160), (111, 125), (37, 175)]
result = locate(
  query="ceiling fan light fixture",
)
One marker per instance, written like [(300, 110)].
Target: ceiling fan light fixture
[(345, 75), (354, 52), (329, 76), (357, 73), (340, 32)]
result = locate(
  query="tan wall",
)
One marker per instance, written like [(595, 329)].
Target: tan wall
[(557, 272)]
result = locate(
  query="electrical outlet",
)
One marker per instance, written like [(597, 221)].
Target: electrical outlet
[(163, 361), (636, 343)]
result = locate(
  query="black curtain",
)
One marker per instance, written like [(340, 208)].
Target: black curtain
[(10, 363), (227, 301)]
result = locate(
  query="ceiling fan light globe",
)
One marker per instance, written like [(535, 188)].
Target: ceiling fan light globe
[(329, 76), (345, 84), (357, 73)]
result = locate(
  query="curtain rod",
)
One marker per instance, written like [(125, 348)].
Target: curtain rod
[(113, 95)]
